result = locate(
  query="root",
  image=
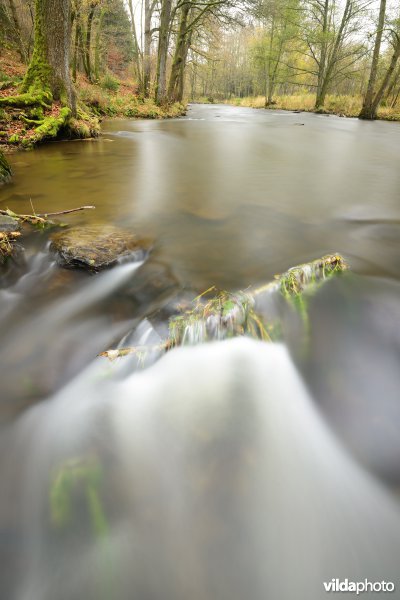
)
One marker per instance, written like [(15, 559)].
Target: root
[(28, 99), (49, 128)]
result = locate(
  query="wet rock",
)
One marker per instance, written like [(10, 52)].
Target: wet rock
[(8, 224), (96, 247)]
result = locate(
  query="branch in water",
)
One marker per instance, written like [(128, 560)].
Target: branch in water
[(64, 212), (227, 314), (41, 220)]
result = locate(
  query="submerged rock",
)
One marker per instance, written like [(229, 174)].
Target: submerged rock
[(8, 224), (96, 247)]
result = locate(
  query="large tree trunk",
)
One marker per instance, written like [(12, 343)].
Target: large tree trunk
[(162, 55), (367, 108), (179, 55), (48, 70)]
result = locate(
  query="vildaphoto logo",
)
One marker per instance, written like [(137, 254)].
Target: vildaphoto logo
[(358, 587)]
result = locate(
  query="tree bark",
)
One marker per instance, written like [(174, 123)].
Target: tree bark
[(48, 71)]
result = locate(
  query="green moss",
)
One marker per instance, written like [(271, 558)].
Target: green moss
[(31, 98), (50, 127), (14, 139)]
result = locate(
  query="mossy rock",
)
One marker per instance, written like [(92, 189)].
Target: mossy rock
[(97, 247)]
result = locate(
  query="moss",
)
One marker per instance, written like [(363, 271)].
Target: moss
[(37, 77), (49, 128), (30, 98), (14, 139)]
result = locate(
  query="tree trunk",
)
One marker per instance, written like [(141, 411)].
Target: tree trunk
[(137, 54), (367, 109), (162, 55), (17, 28), (179, 55), (147, 49), (379, 94), (97, 48), (77, 44), (88, 41), (320, 99), (48, 71)]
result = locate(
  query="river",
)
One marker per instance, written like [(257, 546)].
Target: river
[(227, 470)]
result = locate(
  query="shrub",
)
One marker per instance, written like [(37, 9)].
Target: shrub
[(109, 83)]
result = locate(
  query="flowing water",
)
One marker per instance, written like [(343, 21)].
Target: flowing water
[(226, 470)]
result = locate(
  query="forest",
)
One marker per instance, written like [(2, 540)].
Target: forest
[(66, 63)]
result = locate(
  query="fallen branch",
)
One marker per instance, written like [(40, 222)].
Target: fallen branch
[(296, 279), (41, 219), (64, 212), (227, 315)]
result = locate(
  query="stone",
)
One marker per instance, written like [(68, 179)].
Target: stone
[(8, 224), (96, 247)]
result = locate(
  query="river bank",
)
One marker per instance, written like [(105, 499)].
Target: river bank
[(342, 106), (25, 126)]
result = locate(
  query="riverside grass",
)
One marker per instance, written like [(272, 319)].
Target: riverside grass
[(342, 105), (219, 314)]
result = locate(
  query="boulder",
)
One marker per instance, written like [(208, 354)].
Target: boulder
[(96, 247), (8, 224)]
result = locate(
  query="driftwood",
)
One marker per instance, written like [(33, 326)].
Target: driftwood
[(41, 221), (219, 315)]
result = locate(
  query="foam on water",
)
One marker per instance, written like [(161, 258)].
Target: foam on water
[(219, 479)]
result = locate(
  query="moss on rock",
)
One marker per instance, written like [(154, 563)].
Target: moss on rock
[(96, 247)]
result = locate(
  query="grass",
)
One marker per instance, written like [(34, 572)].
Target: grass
[(119, 98), (342, 105)]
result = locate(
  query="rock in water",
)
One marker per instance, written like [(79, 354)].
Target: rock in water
[(96, 247), (8, 224)]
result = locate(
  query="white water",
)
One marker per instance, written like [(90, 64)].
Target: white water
[(220, 481)]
